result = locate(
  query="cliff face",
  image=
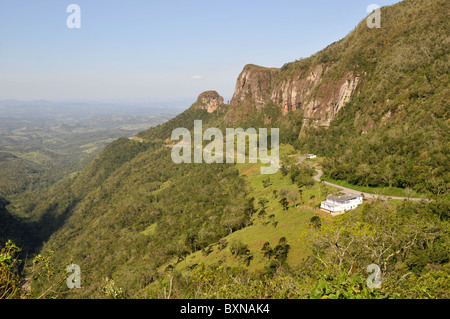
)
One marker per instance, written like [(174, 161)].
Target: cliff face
[(319, 97), (254, 86)]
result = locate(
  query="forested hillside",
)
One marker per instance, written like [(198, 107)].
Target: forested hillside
[(13, 229), (394, 131), (141, 226), (374, 103), (146, 212)]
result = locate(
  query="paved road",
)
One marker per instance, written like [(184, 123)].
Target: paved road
[(366, 195)]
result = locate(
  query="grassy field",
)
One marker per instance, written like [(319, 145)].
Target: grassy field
[(35, 157)]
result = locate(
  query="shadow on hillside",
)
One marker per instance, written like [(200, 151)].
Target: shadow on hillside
[(14, 229), (49, 223)]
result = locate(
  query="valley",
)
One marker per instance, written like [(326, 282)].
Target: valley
[(40, 151), (105, 193)]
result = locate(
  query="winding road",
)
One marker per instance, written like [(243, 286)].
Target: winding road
[(366, 195), (319, 174)]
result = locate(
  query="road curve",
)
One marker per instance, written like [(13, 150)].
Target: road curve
[(366, 195)]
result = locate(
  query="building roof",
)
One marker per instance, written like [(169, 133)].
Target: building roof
[(343, 198), (330, 204)]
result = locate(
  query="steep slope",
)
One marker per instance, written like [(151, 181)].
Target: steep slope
[(209, 108), (307, 89), (13, 229), (382, 93), (132, 209), (376, 108), (57, 205), (16, 174), (413, 41)]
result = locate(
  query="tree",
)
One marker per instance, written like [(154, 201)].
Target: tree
[(233, 219), (284, 203), (304, 180), (241, 250), (232, 222), (262, 202), (342, 244), (409, 192), (388, 175), (267, 182), (300, 194), (284, 170), (315, 221), (110, 290), (292, 196), (249, 208), (247, 258), (281, 250), (284, 192), (10, 280), (223, 244), (191, 242), (345, 287), (295, 172), (267, 251), (262, 212)]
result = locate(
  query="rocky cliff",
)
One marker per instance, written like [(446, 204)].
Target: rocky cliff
[(209, 100), (320, 97), (254, 86)]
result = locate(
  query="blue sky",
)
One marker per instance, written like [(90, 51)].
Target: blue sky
[(158, 50)]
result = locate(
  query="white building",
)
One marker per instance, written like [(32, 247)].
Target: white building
[(336, 204), (311, 156)]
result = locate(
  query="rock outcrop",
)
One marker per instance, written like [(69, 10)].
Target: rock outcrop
[(209, 100), (320, 97), (254, 86)]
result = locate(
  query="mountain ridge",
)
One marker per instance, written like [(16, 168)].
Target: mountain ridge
[(323, 83), (363, 91), (132, 210)]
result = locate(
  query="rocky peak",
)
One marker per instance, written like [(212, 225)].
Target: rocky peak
[(209, 100)]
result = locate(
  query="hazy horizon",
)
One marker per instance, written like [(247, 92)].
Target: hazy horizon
[(158, 51)]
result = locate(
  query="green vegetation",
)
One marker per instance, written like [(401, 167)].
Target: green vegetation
[(37, 153), (10, 280), (387, 191), (140, 197), (14, 229), (394, 131), (141, 226), (335, 267)]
